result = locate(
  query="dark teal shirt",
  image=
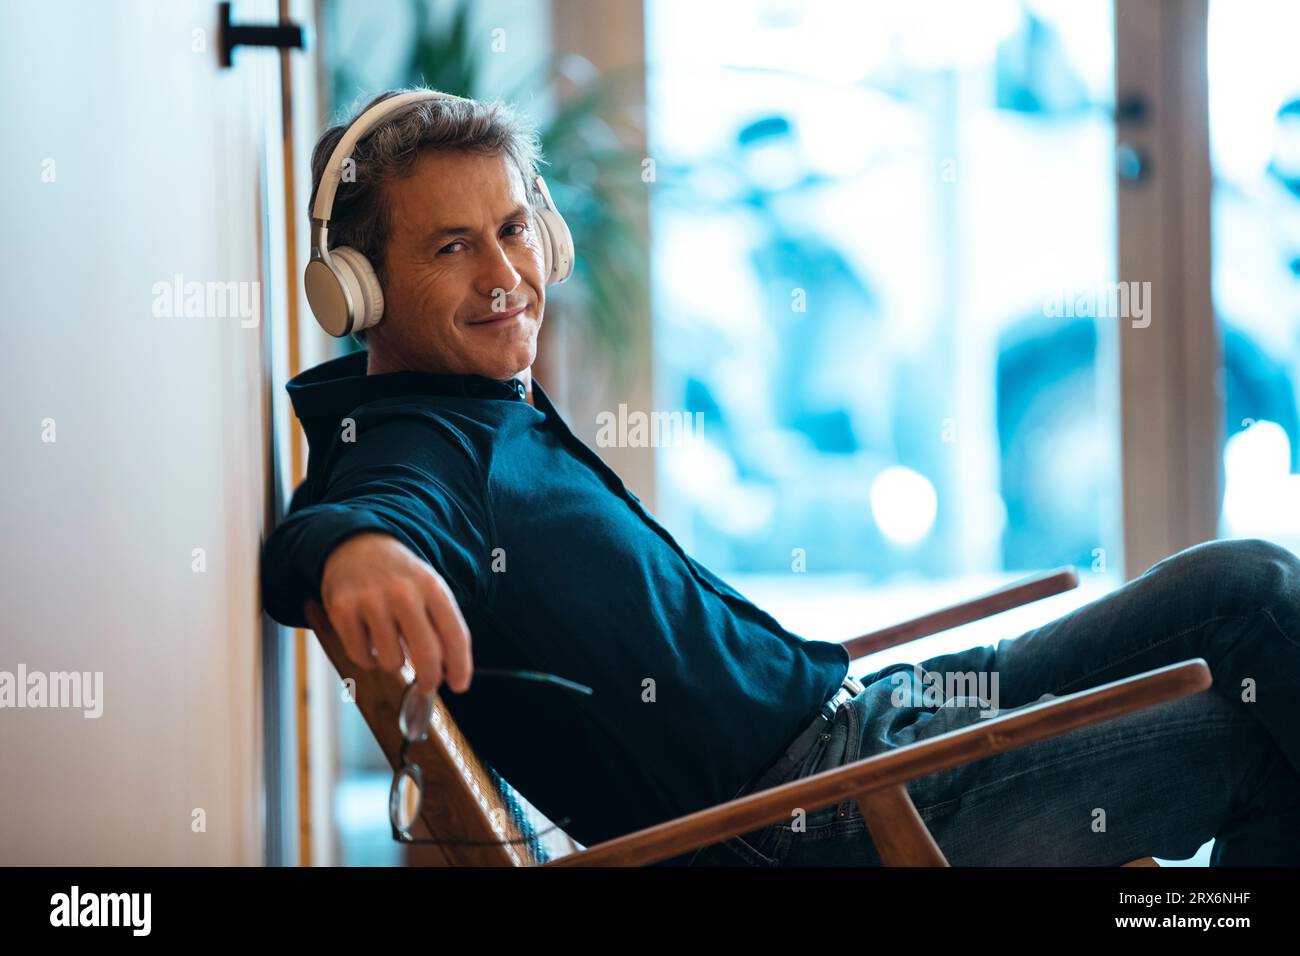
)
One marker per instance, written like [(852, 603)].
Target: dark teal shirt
[(556, 567)]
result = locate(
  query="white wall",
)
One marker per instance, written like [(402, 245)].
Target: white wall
[(162, 166)]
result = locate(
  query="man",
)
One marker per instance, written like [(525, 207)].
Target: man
[(451, 516)]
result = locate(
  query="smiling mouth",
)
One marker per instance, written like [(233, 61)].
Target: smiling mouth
[(501, 317)]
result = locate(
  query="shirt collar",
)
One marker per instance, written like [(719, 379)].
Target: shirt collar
[(336, 387)]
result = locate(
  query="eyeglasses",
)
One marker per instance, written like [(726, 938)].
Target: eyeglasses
[(413, 718)]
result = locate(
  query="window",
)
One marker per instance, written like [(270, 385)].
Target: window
[(1254, 90), (880, 232)]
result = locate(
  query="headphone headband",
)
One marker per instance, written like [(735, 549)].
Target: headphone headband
[(329, 182)]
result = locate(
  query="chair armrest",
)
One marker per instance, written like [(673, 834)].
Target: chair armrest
[(468, 803), (1033, 722), (1012, 595)]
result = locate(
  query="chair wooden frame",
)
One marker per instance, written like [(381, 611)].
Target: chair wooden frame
[(471, 808)]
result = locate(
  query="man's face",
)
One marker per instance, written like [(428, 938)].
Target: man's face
[(464, 291)]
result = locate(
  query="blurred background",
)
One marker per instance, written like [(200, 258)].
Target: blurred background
[(875, 248)]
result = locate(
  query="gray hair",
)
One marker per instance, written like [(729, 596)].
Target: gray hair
[(360, 217)]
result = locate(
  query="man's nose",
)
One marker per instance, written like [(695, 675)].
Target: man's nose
[(498, 273)]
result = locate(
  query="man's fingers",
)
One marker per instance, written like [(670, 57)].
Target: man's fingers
[(383, 634), (347, 623), (421, 641), (450, 626)]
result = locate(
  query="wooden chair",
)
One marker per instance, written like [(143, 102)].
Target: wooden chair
[(469, 802)]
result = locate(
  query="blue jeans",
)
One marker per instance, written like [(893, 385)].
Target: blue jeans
[(1223, 763)]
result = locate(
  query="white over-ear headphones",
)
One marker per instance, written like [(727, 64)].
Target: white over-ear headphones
[(342, 288)]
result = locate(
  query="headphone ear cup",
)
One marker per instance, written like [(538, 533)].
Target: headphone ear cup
[(367, 297), (557, 242), (548, 247)]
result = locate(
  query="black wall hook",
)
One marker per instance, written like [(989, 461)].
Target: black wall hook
[(231, 35)]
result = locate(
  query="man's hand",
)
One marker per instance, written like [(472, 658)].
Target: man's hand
[(378, 593)]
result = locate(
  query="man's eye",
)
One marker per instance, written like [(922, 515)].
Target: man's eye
[(521, 226)]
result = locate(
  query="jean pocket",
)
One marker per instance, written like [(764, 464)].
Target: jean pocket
[(812, 760)]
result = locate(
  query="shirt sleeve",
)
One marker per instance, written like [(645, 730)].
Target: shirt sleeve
[(411, 476)]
